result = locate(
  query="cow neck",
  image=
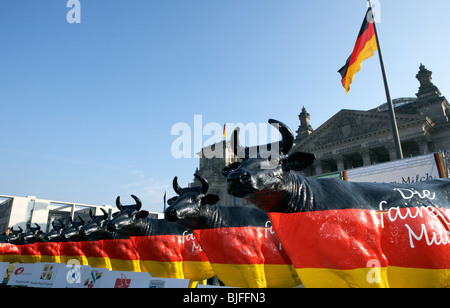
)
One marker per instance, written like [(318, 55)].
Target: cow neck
[(210, 217), (297, 195)]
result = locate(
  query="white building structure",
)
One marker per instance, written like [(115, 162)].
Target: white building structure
[(20, 211)]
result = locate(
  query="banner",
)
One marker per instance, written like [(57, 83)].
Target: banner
[(406, 171)]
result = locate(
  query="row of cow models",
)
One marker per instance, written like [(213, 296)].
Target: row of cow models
[(318, 232)]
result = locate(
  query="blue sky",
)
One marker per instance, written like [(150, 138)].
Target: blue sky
[(87, 109)]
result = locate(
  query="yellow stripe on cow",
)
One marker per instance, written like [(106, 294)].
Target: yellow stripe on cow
[(241, 275)]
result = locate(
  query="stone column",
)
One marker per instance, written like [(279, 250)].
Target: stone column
[(318, 166), (366, 157), (392, 152), (340, 162)]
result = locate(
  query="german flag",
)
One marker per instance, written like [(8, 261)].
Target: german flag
[(365, 47)]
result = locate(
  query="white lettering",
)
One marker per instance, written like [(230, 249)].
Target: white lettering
[(409, 193), (442, 238)]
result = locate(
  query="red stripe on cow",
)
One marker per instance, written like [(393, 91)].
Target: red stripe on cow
[(162, 248), (338, 239), (121, 249), (236, 245), (349, 239)]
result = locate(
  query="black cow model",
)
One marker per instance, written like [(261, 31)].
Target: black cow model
[(237, 240), (93, 248), (342, 234), (114, 246), (163, 246), (25, 244), (70, 248)]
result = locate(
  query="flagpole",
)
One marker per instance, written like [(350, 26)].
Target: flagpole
[(398, 146)]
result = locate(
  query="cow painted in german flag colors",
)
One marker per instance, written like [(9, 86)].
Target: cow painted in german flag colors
[(25, 243), (70, 247), (93, 248), (115, 246), (239, 242), (166, 249), (343, 234)]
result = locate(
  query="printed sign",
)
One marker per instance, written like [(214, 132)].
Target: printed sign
[(125, 280), (3, 269), (22, 274), (57, 275), (93, 279), (407, 171)]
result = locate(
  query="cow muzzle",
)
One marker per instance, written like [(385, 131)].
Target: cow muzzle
[(171, 214), (240, 184)]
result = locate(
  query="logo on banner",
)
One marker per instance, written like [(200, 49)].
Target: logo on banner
[(19, 271), (122, 283), (93, 278), (47, 272)]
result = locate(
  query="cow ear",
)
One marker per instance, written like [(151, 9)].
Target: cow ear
[(210, 199), (142, 214), (228, 169), (172, 200), (298, 161)]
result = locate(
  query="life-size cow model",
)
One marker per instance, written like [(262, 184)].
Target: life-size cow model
[(93, 248), (164, 247), (25, 243), (70, 247), (341, 234), (237, 240), (8, 252), (50, 250), (117, 246)]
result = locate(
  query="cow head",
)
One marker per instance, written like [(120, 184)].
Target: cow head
[(72, 232), (55, 234), (128, 216), (262, 180), (14, 236), (188, 206), (96, 225), (34, 234)]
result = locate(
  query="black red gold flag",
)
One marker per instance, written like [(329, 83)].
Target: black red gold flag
[(365, 47)]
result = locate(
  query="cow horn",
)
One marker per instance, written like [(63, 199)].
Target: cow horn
[(238, 149), (175, 185), (287, 137), (118, 204), (138, 202), (205, 185), (105, 214)]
